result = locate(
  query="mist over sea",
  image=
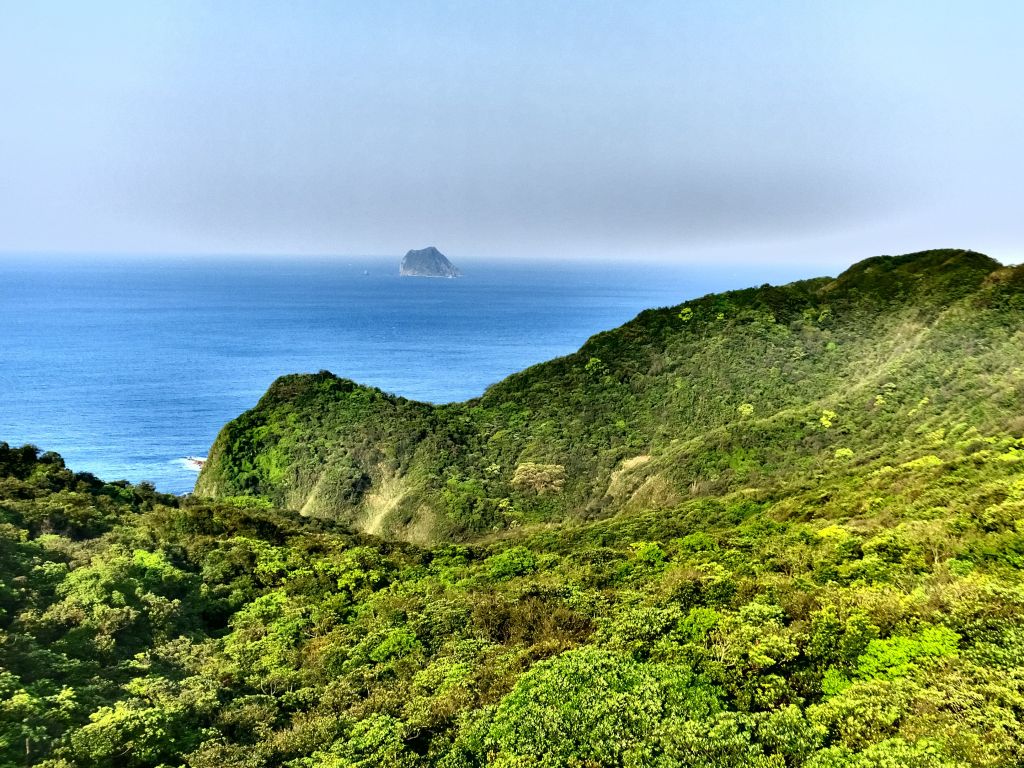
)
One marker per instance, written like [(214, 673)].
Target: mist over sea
[(127, 366)]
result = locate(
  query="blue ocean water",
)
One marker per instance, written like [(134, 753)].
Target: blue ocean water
[(125, 366)]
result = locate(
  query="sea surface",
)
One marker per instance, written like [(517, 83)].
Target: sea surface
[(127, 365)]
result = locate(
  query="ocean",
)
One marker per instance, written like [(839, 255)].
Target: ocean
[(127, 366)]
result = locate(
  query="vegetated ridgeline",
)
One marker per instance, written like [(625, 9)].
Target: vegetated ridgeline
[(756, 391), (775, 528)]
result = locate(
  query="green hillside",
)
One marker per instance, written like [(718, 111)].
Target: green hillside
[(721, 394), (779, 528)]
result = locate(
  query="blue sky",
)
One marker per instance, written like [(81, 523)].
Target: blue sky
[(688, 131)]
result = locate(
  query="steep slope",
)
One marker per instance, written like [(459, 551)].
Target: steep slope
[(759, 388)]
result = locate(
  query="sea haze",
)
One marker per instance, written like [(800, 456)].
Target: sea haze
[(126, 366)]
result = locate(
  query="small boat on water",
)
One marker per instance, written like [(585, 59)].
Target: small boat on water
[(195, 462)]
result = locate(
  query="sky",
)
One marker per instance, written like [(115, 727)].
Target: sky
[(693, 132)]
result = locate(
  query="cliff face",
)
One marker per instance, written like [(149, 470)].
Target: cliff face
[(427, 262), (749, 390)]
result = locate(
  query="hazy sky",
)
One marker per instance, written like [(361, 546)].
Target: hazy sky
[(808, 131)]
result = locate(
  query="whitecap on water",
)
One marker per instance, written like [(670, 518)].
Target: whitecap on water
[(192, 463)]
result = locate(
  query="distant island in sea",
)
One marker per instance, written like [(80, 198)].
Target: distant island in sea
[(427, 262)]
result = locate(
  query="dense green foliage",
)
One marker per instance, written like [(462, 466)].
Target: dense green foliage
[(818, 565), (751, 388)]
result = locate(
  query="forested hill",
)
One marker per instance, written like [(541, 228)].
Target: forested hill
[(793, 537), (754, 391)]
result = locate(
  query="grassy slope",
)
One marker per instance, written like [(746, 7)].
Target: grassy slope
[(723, 393)]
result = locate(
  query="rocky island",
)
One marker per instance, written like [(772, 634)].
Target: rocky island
[(427, 262)]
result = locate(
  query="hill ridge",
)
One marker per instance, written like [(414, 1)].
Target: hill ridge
[(545, 443)]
